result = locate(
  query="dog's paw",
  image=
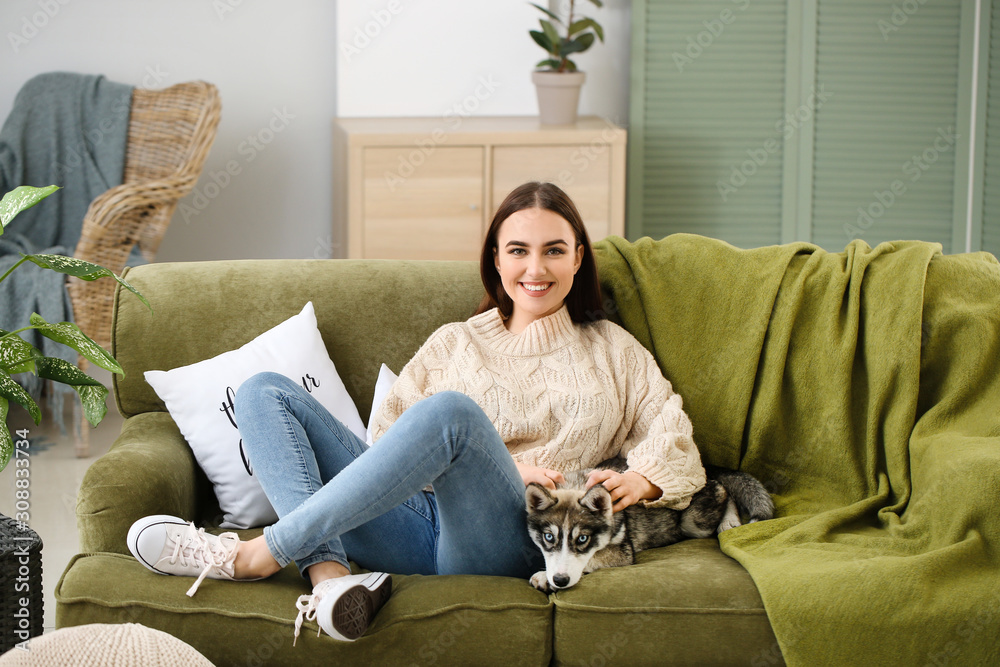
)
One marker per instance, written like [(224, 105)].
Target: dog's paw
[(540, 581), (730, 519), (727, 523)]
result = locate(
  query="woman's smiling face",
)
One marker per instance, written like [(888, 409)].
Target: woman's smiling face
[(537, 257)]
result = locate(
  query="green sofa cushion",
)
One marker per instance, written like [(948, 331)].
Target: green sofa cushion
[(686, 604), (673, 606), (454, 619)]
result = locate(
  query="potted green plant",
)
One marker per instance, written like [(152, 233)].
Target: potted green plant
[(19, 356), (557, 79)]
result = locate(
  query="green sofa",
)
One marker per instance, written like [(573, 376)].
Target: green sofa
[(861, 387), (676, 602)]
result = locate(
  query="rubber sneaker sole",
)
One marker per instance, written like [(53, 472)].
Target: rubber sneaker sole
[(355, 608)]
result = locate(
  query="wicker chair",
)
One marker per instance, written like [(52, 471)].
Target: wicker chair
[(170, 133)]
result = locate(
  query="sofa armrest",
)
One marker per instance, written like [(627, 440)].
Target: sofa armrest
[(148, 470)]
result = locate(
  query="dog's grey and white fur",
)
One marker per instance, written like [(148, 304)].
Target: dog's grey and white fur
[(578, 533)]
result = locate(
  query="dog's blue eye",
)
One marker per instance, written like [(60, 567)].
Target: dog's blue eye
[(549, 537), (582, 539)]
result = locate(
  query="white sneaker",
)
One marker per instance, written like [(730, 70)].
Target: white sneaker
[(344, 606), (169, 545)]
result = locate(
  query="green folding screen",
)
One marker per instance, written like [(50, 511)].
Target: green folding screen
[(708, 82), (990, 142), (768, 121)]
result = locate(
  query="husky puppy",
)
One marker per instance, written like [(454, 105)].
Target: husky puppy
[(577, 532)]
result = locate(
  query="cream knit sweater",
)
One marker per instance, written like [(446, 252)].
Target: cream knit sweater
[(562, 395)]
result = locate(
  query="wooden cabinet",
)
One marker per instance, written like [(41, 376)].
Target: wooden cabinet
[(426, 188), (435, 213)]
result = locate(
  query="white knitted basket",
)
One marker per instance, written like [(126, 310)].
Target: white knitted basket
[(128, 645)]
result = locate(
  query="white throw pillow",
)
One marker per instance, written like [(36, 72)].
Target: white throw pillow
[(199, 397), (383, 384)]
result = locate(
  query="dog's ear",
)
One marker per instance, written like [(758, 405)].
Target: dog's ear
[(597, 499), (537, 498)]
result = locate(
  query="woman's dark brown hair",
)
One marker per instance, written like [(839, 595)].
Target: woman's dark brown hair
[(584, 299)]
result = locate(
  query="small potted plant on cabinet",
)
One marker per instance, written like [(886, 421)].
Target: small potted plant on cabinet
[(557, 79)]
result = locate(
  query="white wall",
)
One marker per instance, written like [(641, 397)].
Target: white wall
[(471, 58), (284, 71), (264, 57)]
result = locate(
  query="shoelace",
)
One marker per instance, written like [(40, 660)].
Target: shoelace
[(193, 544), (307, 606)]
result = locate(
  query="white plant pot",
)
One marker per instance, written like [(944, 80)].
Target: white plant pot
[(558, 96)]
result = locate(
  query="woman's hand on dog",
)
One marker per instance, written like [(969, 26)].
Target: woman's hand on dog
[(626, 488), (544, 476)]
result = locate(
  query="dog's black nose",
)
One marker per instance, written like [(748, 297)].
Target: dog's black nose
[(560, 580)]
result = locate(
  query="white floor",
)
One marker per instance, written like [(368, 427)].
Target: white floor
[(54, 477)]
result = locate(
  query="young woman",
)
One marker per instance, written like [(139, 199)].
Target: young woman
[(528, 388)]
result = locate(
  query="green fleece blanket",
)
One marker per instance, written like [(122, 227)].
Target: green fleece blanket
[(863, 389)]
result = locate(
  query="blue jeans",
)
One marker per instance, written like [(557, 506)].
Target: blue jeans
[(336, 498)]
